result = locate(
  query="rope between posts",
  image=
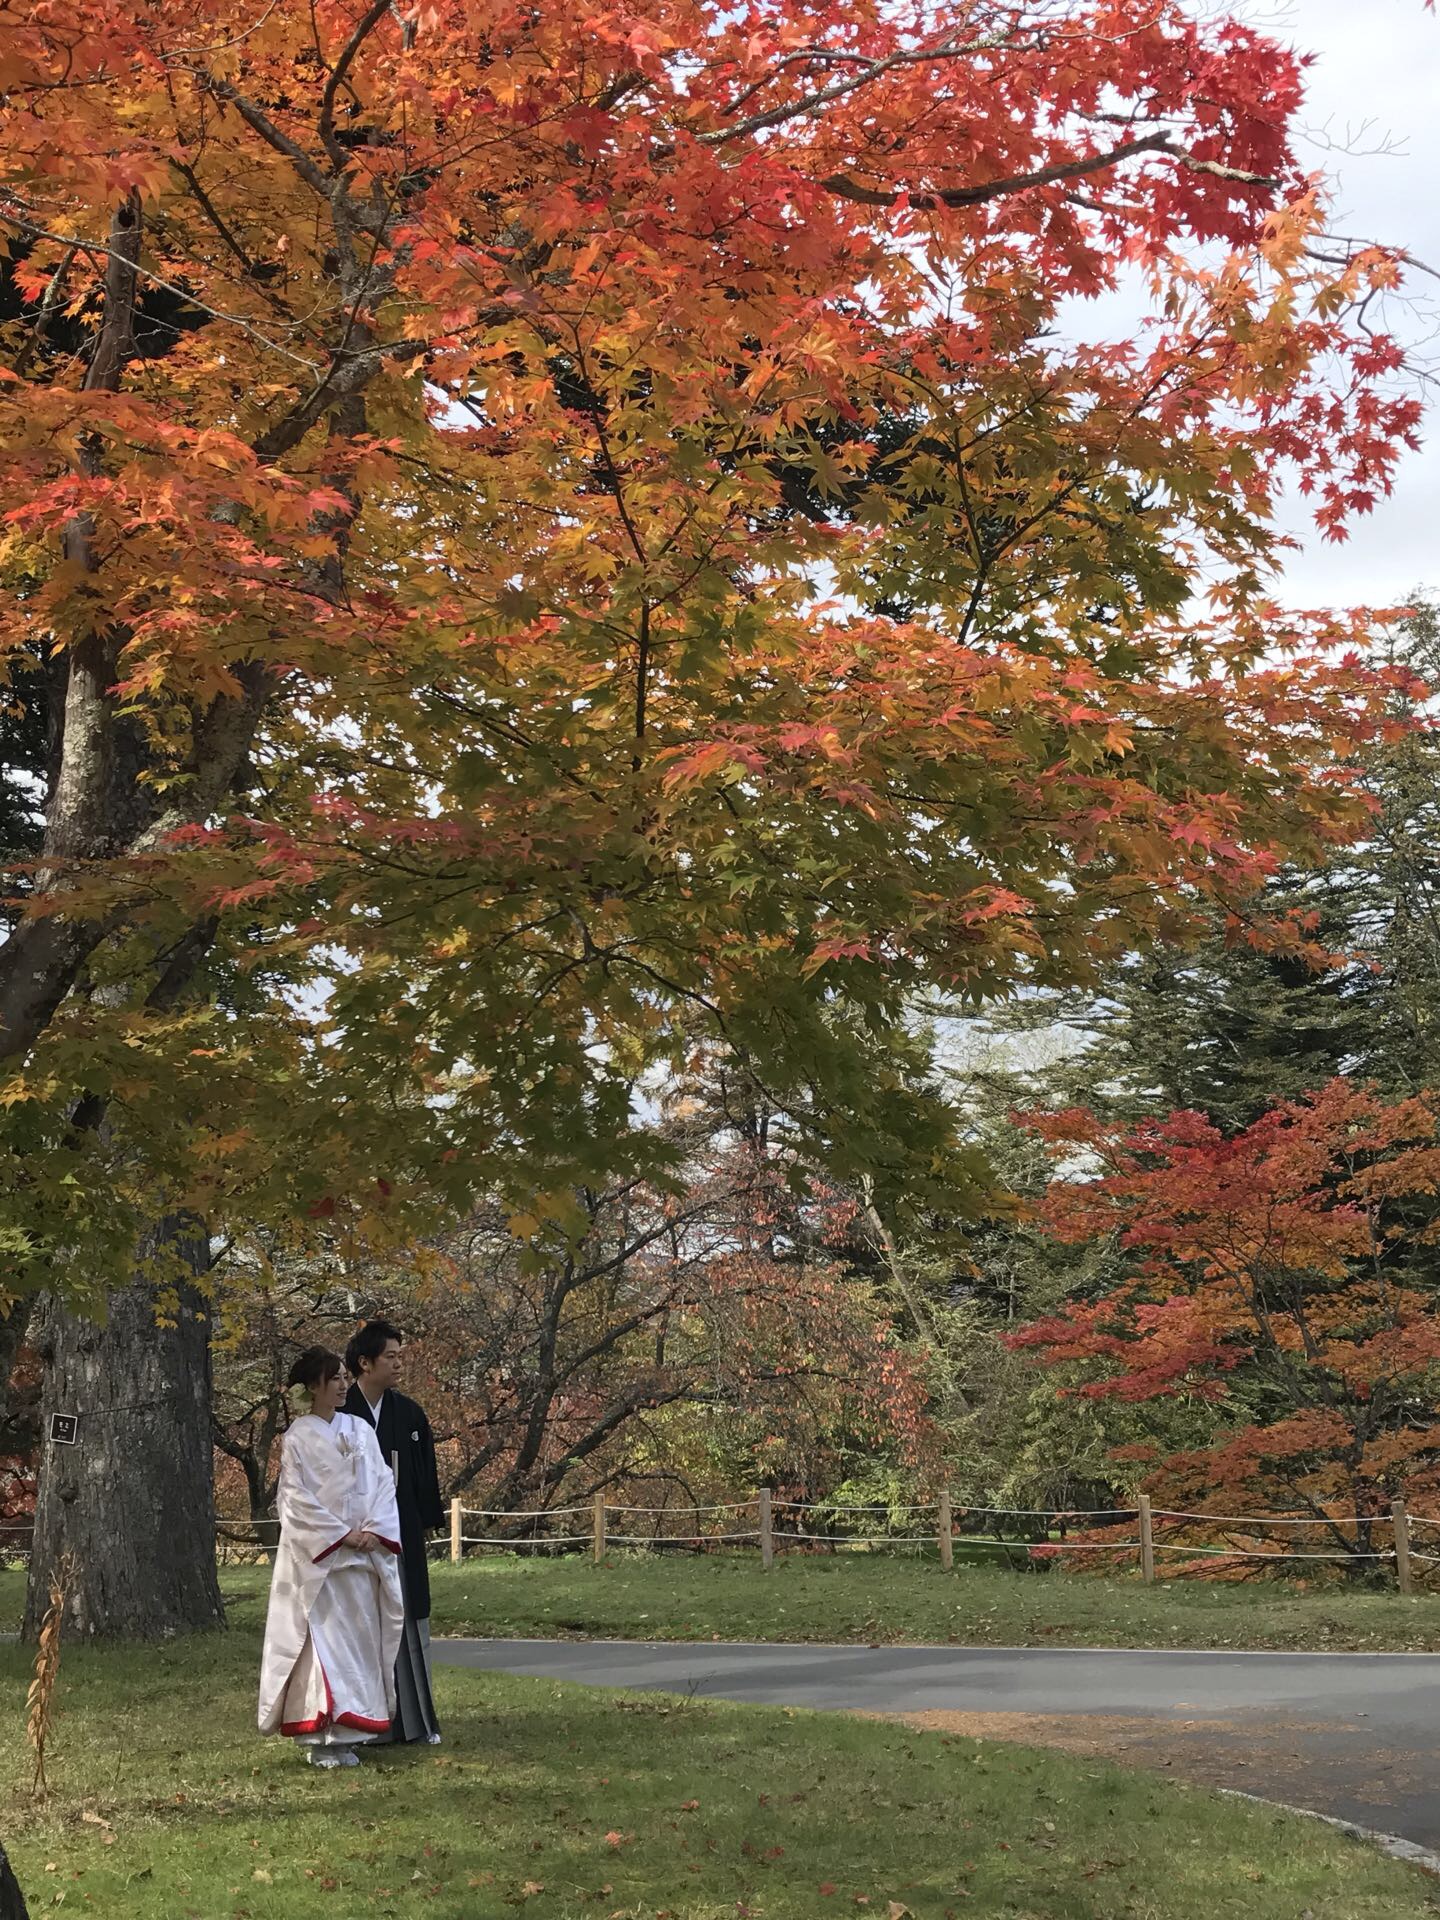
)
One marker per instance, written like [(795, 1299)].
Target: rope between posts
[(1239, 1553), (674, 1539), (962, 1507), (1051, 1513), (1276, 1520), (526, 1513), (858, 1539), (1073, 1546), (928, 1540), (824, 1506), (728, 1506), (521, 1540)]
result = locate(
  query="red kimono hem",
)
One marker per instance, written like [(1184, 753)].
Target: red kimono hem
[(322, 1720), (329, 1718)]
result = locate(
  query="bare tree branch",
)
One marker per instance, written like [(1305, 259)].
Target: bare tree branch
[(368, 22), (1163, 143)]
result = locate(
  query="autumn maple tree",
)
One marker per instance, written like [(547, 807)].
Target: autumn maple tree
[(1278, 1277), (525, 534)]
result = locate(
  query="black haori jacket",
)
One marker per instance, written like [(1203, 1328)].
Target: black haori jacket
[(404, 1430)]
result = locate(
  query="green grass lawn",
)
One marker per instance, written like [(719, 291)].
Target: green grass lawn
[(566, 1803), (869, 1598)]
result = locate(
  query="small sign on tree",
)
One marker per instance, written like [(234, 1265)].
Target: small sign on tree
[(65, 1428)]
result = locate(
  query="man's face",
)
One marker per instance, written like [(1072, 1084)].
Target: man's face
[(384, 1371)]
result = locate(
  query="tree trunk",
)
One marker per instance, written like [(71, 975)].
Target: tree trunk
[(12, 1900), (132, 1500)]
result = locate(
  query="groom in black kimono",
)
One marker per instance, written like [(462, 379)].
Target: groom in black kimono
[(374, 1360)]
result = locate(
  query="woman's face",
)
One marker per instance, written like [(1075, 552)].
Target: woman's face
[(325, 1399)]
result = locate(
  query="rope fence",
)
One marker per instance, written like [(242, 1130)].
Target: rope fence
[(1380, 1539), (1146, 1532), (788, 1524)]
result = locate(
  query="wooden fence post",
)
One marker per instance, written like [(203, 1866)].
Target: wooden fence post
[(597, 1546), (1401, 1521), (456, 1531), (947, 1538), (767, 1532), (1147, 1540)]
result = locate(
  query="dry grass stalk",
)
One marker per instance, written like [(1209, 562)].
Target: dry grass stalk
[(40, 1700)]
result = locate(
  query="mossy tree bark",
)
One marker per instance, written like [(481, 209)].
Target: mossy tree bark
[(132, 1501)]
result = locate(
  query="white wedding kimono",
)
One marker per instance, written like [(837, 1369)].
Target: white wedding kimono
[(336, 1615)]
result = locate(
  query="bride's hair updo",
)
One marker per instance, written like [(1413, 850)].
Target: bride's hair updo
[(313, 1367)]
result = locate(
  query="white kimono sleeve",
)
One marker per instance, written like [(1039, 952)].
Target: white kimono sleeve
[(377, 1492), (304, 1517)]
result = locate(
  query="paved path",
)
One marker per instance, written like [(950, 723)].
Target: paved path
[(1356, 1736)]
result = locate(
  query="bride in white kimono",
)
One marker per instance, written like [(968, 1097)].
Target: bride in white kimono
[(337, 1609)]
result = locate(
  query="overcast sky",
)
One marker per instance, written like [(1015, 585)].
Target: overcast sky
[(1376, 85)]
